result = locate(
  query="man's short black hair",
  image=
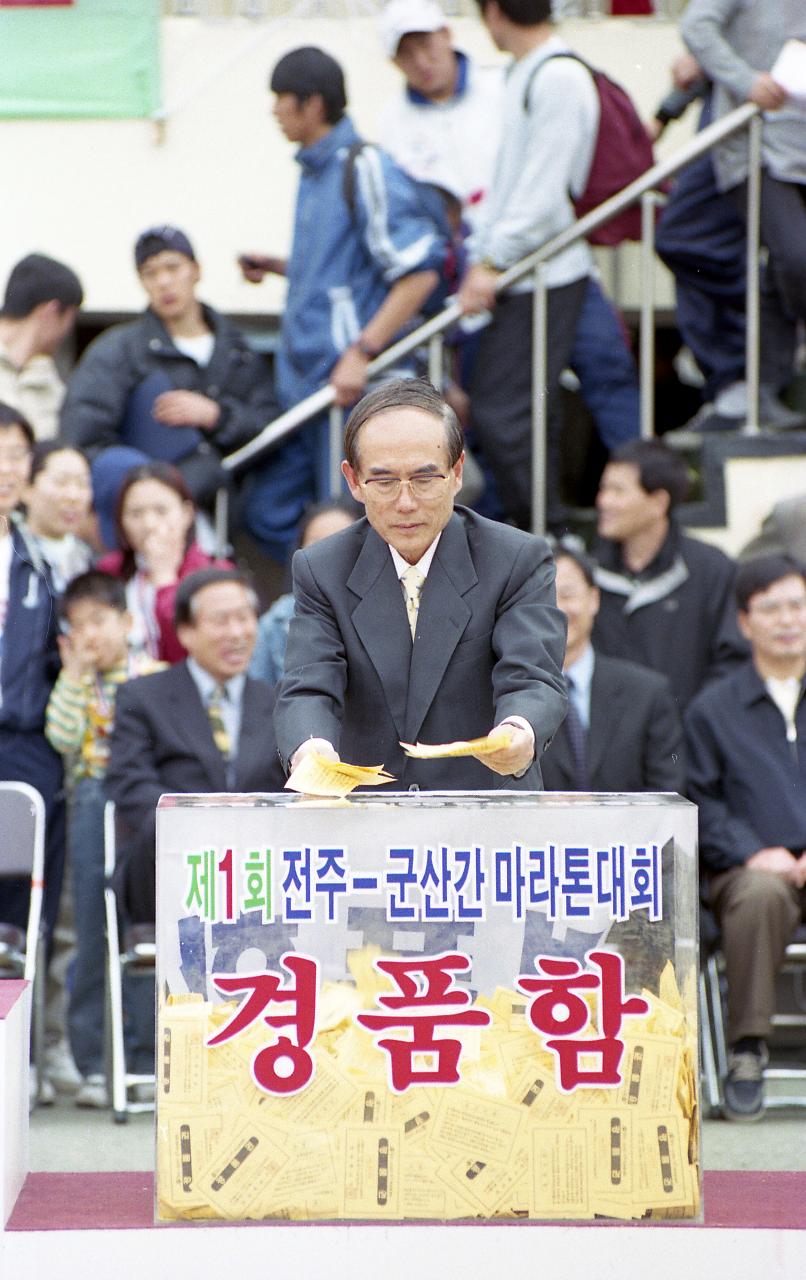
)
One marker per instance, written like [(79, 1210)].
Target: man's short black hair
[(659, 467), (189, 587), (524, 13), (97, 586), (10, 417), (307, 71), (755, 576), (583, 562), (44, 449), (37, 279)]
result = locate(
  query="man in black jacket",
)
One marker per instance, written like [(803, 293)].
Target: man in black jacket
[(666, 599), (622, 731), (202, 725), (179, 383), (746, 739)]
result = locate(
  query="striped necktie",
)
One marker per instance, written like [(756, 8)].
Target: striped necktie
[(578, 739), (221, 735), (412, 582)]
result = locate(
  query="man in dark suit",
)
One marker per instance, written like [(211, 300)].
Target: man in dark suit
[(622, 732), (203, 725), (421, 622)]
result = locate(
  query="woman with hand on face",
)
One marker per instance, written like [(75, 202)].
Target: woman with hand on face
[(155, 519), (58, 499)]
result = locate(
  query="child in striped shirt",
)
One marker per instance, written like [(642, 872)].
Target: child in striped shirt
[(96, 660)]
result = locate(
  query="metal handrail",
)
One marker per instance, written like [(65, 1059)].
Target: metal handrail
[(741, 118)]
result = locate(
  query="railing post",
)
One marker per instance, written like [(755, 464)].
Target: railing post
[(436, 363), (647, 369), (221, 521), (752, 304), (335, 436), (539, 401)]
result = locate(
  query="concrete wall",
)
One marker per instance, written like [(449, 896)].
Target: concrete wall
[(218, 166)]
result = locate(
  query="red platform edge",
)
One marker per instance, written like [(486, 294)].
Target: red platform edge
[(11, 990), (734, 1199)]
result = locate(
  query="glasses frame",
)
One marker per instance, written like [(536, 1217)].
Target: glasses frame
[(373, 485)]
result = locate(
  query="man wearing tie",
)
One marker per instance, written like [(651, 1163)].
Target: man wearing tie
[(622, 731), (421, 621), (203, 725)]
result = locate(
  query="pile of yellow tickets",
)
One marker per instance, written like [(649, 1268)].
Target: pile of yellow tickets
[(503, 1143)]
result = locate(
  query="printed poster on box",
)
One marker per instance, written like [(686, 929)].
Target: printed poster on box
[(427, 1006)]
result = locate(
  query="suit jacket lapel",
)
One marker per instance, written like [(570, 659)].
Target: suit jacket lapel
[(193, 723), (381, 623), (443, 617)]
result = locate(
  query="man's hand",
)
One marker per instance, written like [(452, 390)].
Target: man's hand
[(767, 93), (349, 376), (686, 71), (254, 266), (311, 746), (477, 290), (186, 409), (76, 661), (516, 756), (779, 862)]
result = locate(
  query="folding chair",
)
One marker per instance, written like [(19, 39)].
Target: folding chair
[(137, 958), (22, 853), (792, 983)]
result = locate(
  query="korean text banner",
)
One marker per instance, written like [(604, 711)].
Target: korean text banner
[(91, 58), (427, 1006)]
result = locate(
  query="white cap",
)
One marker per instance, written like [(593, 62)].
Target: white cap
[(400, 17)]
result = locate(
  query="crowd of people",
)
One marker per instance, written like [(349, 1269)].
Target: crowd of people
[(134, 660)]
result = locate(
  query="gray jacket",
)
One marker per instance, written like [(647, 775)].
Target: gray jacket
[(734, 41), (489, 645)]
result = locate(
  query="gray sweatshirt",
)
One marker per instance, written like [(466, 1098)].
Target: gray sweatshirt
[(546, 152), (734, 41)]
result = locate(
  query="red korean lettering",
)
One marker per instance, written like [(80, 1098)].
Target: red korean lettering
[(427, 1001), (284, 1066), (560, 1011)]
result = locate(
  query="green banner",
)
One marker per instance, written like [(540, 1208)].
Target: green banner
[(93, 59)]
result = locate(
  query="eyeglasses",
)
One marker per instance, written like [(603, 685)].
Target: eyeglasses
[(428, 485)]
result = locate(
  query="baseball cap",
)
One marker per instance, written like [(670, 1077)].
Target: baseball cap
[(400, 17), (160, 240)]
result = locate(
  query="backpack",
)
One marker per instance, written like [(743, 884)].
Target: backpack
[(622, 153), (434, 209)]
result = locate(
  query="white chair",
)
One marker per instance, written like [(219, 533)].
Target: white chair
[(138, 958), (22, 854)]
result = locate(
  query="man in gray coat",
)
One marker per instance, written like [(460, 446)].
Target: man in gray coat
[(422, 621)]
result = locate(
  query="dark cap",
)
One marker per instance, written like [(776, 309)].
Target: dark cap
[(161, 240)]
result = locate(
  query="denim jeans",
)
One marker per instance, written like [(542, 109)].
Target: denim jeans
[(85, 1011)]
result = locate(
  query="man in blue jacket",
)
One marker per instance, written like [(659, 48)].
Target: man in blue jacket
[(366, 254), (28, 665)]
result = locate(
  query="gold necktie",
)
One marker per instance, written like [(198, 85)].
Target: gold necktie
[(220, 733), (412, 582)]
